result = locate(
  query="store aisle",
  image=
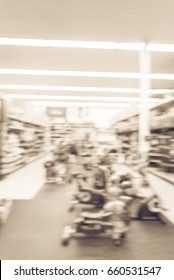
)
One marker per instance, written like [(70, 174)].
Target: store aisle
[(34, 228)]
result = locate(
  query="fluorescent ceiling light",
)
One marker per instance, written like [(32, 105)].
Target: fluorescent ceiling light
[(68, 88), (84, 89), (86, 44), (4, 71), (70, 44), (130, 46), (71, 73), (79, 98), (160, 91), (160, 76), (160, 47), (80, 104), (148, 105)]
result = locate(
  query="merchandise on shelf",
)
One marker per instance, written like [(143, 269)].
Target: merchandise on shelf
[(21, 141), (161, 153), (161, 143), (127, 133)]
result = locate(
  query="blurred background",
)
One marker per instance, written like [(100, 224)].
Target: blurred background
[(86, 129)]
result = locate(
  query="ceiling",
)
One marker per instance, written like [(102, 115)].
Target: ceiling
[(93, 20), (84, 20)]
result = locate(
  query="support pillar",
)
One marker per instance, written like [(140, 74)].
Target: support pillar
[(144, 85)]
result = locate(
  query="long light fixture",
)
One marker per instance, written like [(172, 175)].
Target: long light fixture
[(86, 44), (79, 98), (83, 89), (70, 73), (160, 76), (160, 47), (80, 104), (161, 91), (70, 44), (151, 104), (155, 76), (69, 88)]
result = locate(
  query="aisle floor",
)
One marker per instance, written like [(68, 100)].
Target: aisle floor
[(26, 182), (34, 229)]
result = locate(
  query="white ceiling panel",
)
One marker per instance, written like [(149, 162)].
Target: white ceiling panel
[(68, 59), (88, 20), (107, 20)]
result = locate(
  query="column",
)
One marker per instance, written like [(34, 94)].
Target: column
[(144, 85)]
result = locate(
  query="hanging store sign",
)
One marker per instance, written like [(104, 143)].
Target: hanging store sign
[(56, 112)]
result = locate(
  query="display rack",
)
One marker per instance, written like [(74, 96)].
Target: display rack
[(67, 131), (161, 152), (59, 131), (127, 133), (21, 142), (161, 138)]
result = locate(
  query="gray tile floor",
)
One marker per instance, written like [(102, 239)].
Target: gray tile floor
[(34, 229)]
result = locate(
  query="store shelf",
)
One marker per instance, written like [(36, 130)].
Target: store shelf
[(12, 169), (163, 185), (59, 131), (32, 159), (26, 181), (163, 105), (21, 140), (18, 164), (126, 127), (161, 138), (168, 177), (23, 120), (155, 160)]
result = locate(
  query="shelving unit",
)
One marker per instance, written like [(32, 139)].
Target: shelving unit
[(21, 142), (59, 131), (127, 133), (161, 138), (161, 153)]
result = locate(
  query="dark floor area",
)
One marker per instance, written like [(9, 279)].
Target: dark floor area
[(34, 229)]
